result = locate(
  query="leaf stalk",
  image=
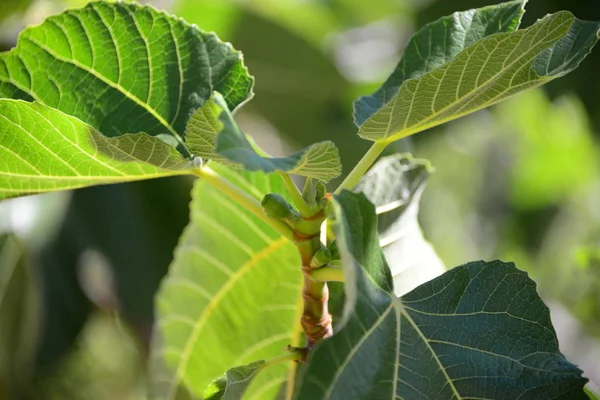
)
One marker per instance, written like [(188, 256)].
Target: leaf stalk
[(294, 192), (328, 274), (362, 167), (243, 198)]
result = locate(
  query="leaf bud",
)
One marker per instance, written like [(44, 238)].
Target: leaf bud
[(320, 191), (321, 257), (275, 206)]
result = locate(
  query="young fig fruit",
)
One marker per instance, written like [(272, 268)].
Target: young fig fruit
[(275, 206)]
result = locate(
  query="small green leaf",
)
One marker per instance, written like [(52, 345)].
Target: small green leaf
[(437, 43), (123, 68), (394, 185), (44, 150), (478, 331), (484, 73), (213, 134), (234, 383), (232, 296)]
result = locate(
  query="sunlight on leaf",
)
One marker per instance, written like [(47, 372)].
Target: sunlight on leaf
[(213, 134), (123, 68), (44, 150), (484, 73), (232, 296)]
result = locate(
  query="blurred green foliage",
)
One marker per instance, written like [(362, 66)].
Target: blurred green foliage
[(520, 182)]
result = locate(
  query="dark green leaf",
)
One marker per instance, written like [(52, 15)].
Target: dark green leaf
[(123, 68), (43, 150), (484, 73), (394, 185), (478, 331), (213, 134), (234, 383)]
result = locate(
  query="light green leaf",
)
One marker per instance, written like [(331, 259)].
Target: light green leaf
[(232, 296), (43, 150), (234, 383), (437, 43), (19, 319), (486, 72), (478, 331), (123, 68), (213, 134), (394, 185)]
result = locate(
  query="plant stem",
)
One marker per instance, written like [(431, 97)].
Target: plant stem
[(328, 274), (291, 356), (362, 167), (294, 191), (243, 198), (316, 319)]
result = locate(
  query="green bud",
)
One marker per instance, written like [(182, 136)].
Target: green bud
[(335, 253), (321, 257), (320, 191), (275, 206)]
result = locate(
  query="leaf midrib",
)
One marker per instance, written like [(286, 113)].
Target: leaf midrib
[(113, 85), (212, 305), (417, 127), (402, 311), (327, 394)]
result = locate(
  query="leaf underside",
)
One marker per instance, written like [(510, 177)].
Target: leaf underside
[(43, 150), (213, 134), (484, 73), (437, 43)]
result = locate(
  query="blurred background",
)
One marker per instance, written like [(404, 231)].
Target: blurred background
[(519, 182)]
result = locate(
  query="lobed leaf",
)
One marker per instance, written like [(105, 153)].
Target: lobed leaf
[(394, 185), (213, 134), (123, 68), (232, 296), (43, 150), (437, 43), (484, 73), (478, 331)]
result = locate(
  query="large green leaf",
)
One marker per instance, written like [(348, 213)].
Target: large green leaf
[(213, 134), (438, 42), (478, 331), (123, 68), (394, 185), (42, 150), (487, 71), (232, 296), (18, 319)]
